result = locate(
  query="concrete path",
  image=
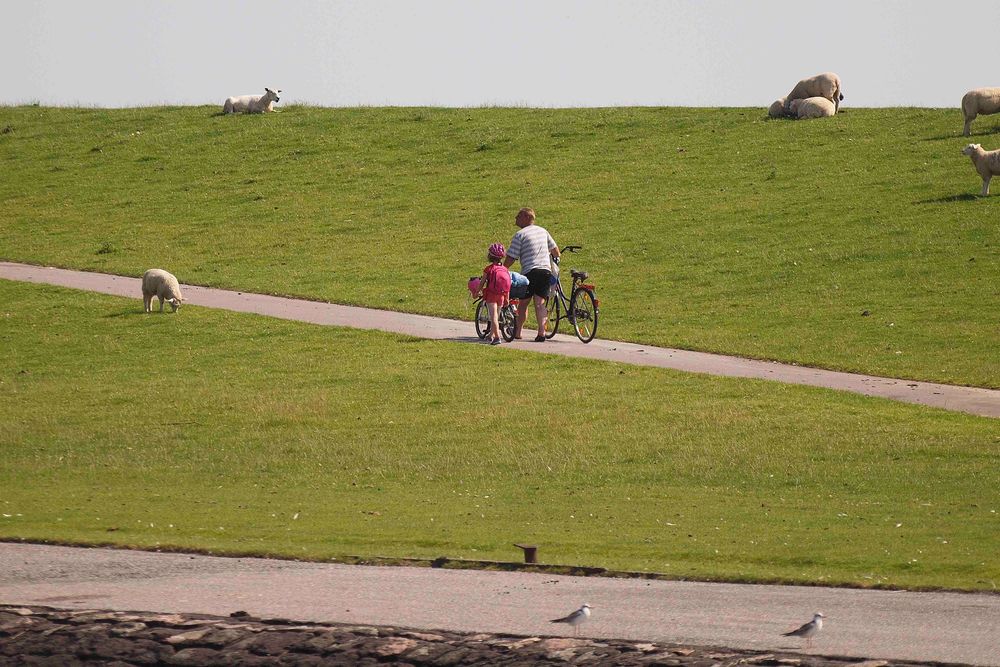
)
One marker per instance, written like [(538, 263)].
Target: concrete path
[(946, 627), (984, 402)]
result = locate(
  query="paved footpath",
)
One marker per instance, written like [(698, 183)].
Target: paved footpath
[(891, 625), (984, 402)]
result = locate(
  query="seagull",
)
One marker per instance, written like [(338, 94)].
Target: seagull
[(809, 630), (576, 618)]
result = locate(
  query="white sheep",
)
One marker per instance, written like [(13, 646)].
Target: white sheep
[(252, 103), (163, 285), (777, 108), (987, 163), (825, 85), (812, 107), (979, 102)]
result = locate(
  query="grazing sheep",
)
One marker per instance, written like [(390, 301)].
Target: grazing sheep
[(812, 107), (159, 283), (979, 102), (777, 108), (987, 163), (825, 85), (252, 103)]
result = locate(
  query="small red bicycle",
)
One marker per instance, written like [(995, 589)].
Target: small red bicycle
[(507, 317)]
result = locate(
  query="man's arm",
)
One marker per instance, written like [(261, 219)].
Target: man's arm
[(513, 251)]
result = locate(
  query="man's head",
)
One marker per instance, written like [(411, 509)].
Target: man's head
[(525, 217)]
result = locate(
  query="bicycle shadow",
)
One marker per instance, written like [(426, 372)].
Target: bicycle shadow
[(467, 339)]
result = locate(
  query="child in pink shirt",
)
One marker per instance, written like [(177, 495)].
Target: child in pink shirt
[(495, 288)]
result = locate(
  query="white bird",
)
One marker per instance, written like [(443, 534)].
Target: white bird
[(576, 618), (808, 630)]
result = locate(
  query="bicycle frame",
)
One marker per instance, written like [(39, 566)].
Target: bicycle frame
[(563, 310), (564, 300)]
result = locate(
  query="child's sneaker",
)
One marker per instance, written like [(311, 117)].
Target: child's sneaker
[(495, 341)]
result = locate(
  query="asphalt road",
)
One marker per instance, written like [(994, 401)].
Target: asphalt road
[(944, 627), (977, 401)]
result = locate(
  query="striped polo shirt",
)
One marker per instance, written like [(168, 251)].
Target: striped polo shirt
[(531, 245)]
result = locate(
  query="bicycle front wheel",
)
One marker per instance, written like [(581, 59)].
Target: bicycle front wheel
[(482, 320), (553, 307), (583, 314)]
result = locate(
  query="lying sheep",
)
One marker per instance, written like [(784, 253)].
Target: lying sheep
[(987, 163), (777, 108), (979, 102), (812, 107), (825, 85), (163, 285), (252, 103)]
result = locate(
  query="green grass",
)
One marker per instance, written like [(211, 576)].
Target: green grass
[(708, 229), (231, 432)]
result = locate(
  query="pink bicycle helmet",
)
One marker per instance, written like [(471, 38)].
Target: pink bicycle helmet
[(497, 250)]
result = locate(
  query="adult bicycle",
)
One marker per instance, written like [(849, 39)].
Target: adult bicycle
[(582, 307)]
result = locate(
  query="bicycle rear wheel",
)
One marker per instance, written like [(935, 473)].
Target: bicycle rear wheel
[(583, 314), (482, 320), (553, 307), (508, 318)]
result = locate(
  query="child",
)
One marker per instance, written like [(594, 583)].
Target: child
[(495, 287)]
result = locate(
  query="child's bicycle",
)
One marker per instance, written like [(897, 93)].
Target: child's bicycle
[(580, 309), (507, 317)]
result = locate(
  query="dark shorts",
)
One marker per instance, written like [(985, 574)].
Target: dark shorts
[(539, 281)]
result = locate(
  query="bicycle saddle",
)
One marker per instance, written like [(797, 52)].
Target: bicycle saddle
[(579, 275)]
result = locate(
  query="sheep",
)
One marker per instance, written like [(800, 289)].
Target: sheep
[(812, 107), (979, 102), (159, 283), (777, 108), (252, 103), (987, 163), (825, 85)]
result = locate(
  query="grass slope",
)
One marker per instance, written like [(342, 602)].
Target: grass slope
[(709, 229), (226, 431)]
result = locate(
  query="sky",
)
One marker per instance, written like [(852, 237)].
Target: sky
[(539, 53)]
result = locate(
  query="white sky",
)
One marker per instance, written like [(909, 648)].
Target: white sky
[(115, 53)]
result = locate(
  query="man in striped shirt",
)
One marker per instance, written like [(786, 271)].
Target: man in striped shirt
[(533, 246)]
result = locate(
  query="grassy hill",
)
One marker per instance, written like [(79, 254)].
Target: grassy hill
[(709, 229), (232, 432)]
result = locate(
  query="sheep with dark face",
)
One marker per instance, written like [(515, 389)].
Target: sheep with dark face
[(979, 102), (162, 285), (987, 163), (252, 103)]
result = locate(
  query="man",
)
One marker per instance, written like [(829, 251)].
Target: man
[(533, 246)]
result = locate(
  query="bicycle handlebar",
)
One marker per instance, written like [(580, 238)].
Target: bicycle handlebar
[(572, 248)]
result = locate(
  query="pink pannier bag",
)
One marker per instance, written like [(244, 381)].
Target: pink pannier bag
[(473, 285)]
